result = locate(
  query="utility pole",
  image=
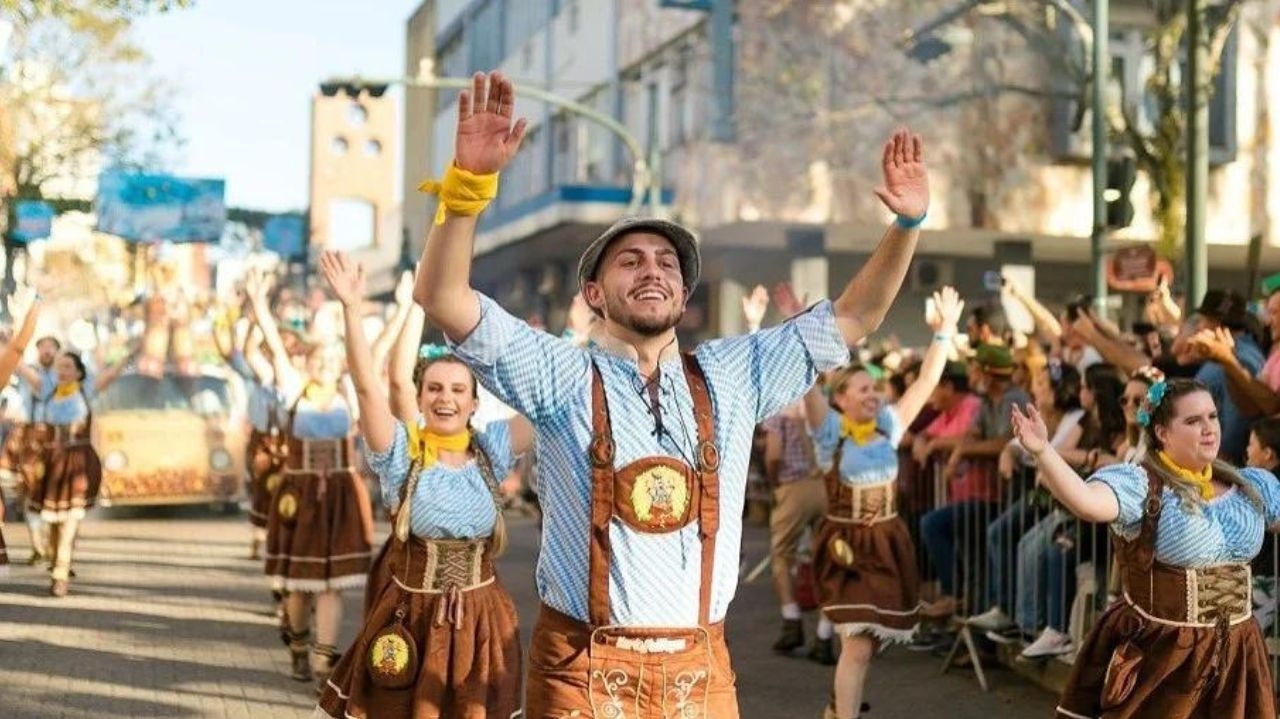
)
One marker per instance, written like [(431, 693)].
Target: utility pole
[(1197, 154), (1101, 73)]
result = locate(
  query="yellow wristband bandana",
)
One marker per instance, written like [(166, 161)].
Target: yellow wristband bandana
[(461, 192), (69, 389)]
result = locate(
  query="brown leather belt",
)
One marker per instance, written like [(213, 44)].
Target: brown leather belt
[(319, 455)]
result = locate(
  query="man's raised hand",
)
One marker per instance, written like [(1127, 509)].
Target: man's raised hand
[(486, 139), (906, 183)]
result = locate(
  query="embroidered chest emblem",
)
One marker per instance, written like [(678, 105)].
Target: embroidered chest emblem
[(660, 497), (655, 495)]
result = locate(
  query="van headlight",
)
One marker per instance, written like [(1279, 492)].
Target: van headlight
[(220, 460), (115, 461)]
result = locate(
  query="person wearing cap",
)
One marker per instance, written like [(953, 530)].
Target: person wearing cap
[(642, 448), (973, 489)]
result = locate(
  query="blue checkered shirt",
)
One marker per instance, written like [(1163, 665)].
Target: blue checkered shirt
[(654, 579), (449, 502)]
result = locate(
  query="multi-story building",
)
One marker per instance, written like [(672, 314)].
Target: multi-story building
[(817, 87), (353, 181)]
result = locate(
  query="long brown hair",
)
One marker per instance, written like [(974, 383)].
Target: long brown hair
[(1162, 415)]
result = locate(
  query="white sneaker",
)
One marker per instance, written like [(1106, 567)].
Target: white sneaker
[(992, 620), (1050, 643)]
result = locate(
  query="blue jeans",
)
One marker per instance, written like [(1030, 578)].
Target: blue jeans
[(1002, 537), (952, 527), (1060, 570), (1034, 598)]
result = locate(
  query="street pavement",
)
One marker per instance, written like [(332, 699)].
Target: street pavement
[(168, 618)]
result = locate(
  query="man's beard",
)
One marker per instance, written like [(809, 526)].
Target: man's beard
[(646, 326)]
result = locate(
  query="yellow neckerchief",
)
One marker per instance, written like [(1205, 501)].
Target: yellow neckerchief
[(426, 446), (67, 389), (1203, 479), (859, 432), (319, 395)]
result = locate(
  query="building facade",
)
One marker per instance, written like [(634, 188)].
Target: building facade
[(817, 87), (353, 203)]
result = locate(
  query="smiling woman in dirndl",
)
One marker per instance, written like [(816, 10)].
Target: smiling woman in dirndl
[(440, 639), (864, 558), (1182, 642)]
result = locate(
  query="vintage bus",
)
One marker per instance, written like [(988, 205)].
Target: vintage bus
[(175, 439)]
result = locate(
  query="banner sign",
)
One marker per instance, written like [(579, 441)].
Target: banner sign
[(285, 236), (34, 220), (151, 208)]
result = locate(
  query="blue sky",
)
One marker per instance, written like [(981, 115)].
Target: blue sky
[(245, 71)]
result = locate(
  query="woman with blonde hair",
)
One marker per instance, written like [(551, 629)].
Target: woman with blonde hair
[(441, 637)]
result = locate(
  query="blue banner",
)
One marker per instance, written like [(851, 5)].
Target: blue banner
[(703, 5), (151, 208), (34, 220), (285, 236)]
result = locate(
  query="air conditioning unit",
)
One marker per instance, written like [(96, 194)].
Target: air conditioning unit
[(928, 275)]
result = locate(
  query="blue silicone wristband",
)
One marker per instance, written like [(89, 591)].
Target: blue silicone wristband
[(910, 223)]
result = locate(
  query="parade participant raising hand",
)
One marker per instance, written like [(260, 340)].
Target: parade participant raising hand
[(320, 525), (631, 410), (754, 306), (864, 555), (1186, 526), (24, 311), (443, 477)]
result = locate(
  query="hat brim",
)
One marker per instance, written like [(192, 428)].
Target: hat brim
[(683, 240)]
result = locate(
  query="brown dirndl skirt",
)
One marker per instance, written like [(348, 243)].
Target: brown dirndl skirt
[(867, 579), (1167, 671), (317, 539), (266, 471), (4, 555), (11, 455), (467, 646), (66, 480)]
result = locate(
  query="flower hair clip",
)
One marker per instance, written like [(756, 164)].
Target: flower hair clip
[(1155, 395), (433, 351)]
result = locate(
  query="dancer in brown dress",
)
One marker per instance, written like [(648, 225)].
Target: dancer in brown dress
[(440, 639), (320, 528), (24, 310), (863, 555), (1182, 642)]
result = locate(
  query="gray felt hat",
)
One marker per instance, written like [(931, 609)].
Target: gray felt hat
[(685, 243)]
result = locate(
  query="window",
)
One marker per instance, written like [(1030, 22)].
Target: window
[(523, 19), (351, 224), (678, 101), (357, 115), (573, 16), (1131, 66), (372, 148), (338, 146), (485, 31), (453, 63)]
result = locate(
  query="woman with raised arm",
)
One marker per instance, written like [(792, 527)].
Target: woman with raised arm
[(864, 558), (320, 524), (442, 630), (24, 310), (68, 473), (1182, 642)]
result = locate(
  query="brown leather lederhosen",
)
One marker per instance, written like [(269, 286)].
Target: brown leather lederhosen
[(1180, 643), (600, 670)]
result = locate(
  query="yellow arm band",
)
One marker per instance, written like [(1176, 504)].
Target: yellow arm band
[(461, 192)]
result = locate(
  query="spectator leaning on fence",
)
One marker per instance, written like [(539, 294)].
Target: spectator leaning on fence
[(1182, 643), (970, 470)]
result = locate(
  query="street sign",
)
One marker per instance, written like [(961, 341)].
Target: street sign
[(152, 208), (34, 221), (701, 5), (1136, 269)]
